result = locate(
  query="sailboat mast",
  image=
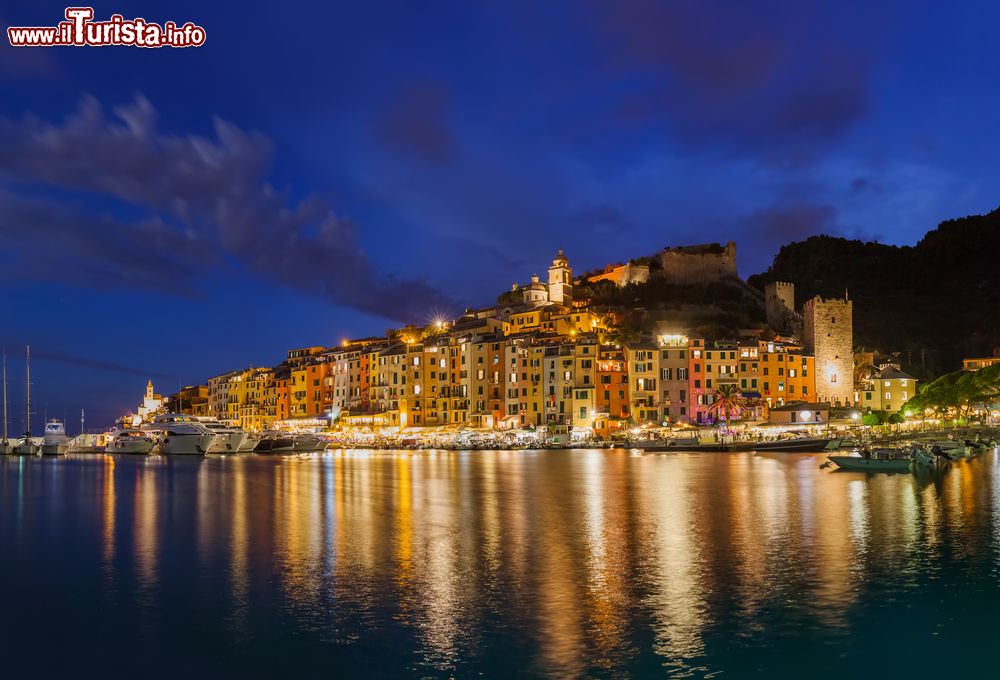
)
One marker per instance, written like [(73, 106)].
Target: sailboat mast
[(5, 395), (27, 381)]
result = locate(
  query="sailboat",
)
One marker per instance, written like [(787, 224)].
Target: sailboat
[(27, 447), (6, 447)]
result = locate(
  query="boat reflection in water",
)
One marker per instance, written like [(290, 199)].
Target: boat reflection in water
[(561, 563)]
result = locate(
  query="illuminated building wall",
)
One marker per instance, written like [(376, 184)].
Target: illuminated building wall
[(829, 337)]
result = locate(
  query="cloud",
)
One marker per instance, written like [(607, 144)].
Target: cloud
[(763, 78), (48, 354), (778, 224), (98, 251), (415, 123), (205, 198)]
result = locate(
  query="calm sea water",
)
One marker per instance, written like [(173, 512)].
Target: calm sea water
[(558, 563)]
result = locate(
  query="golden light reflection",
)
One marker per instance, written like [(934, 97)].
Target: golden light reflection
[(146, 532), (569, 548), (108, 500)]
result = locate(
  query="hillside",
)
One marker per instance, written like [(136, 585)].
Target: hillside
[(940, 295)]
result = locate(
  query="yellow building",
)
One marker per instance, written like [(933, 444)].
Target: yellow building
[(888, 390), (643, 372)]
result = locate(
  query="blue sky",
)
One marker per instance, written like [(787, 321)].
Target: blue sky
[(322, 170)]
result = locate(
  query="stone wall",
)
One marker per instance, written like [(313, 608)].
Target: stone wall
[(828, 334), (779, 305), (698, 264), (622, 274)]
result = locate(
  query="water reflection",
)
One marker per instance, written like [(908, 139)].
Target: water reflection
[(558, 563)]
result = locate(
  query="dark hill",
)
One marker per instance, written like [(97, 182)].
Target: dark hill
[(941, 295)]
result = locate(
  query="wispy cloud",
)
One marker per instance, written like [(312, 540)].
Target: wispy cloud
[(202, 198)]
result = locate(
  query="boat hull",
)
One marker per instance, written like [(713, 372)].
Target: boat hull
[(187, 444), (27, 448), (56, 449), (137, 447), (249, 444), (308, 443), (870, 464)]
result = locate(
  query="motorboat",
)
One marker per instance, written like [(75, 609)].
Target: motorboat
[(876, 460), (230, 438), (953, 449), (132, 441), (250, 443), (275, 443), (181, 434), (55, 441), (308, 442), (927, 457), (794, 445)]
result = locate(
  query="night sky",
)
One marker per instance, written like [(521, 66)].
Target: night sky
[(326, 170)]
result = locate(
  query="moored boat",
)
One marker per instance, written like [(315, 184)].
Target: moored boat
[(230, 438), (55, 442), (133, 442), (250, 443), (897, 461), (27, 447), (181, 434), (308, 442)]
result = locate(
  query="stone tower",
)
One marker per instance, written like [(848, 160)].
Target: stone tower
[(779, 305), (561, 281), (828, 334)]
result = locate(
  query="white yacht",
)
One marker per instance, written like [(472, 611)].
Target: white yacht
[(131, 441), (230, 438), (250, 443), (55, 443), (182, 435)]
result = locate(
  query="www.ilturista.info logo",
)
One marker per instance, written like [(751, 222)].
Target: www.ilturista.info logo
[(80, 29)]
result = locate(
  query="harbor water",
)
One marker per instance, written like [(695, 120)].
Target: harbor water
[(571, 563)]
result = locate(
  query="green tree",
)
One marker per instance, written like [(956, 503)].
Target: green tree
[(728, 402)]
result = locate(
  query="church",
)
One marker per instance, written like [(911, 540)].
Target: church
[(558, 290)]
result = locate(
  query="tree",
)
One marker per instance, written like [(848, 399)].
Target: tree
[(729, 401), (958, 393)]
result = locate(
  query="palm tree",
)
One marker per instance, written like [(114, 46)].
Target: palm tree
[(728, 402)]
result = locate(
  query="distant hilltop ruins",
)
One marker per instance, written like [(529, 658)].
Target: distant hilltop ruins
[(680, 265)]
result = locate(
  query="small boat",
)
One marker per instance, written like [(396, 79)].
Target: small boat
[(55, 442), (927, 457), (953, 449), (894, 461), (27, 447), (794, 445), (132, 441)]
